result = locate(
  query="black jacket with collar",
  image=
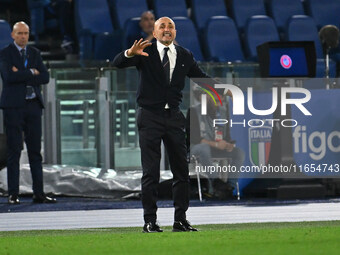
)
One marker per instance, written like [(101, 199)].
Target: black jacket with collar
[(153, 90)]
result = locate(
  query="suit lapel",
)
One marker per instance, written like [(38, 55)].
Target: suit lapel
[(158, 66), (16, 56), (179, 62)]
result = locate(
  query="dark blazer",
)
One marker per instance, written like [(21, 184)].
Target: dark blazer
[(14, 83), (153, 90)]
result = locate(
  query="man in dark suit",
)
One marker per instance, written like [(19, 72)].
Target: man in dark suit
[(23, 72), (163, 67)]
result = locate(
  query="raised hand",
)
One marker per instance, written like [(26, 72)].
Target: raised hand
[(138, 48)]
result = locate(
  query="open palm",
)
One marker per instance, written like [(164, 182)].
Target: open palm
[(138, 48)]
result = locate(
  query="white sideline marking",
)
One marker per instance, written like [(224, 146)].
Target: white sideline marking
[(196, 215)]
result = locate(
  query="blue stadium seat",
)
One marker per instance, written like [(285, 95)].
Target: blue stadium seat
[(187, 36), (131, 32), (242, 10), (259, 29), (303, 28), (5, 34), (324, 12), (124, 10), (96, 36), (174, 8), (282, 10), (39, 23), (203, 10), (222, 40)]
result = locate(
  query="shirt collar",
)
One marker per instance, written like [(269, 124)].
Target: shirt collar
[(19, 48), (160, 47)]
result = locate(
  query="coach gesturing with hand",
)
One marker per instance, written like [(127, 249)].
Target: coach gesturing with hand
[(163, 67)]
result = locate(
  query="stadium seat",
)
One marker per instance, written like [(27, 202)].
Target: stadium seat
[(324, 12), (242, 10), (40, 23), (203, 10), (187, 36), (5, 10), (303, 28), (123, 10), (259, 29), (96, 36), (131, 32), (5, 34), (282, 10), (174, 8), (222, 40)]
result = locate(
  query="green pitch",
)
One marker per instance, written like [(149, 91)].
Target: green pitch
[(260, 238)]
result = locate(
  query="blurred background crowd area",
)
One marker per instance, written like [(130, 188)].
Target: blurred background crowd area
[(215, 30)]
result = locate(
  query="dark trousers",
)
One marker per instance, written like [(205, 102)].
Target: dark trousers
[(154, 127), (24, 123)]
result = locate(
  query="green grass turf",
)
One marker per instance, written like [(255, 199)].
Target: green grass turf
[(256, 238)]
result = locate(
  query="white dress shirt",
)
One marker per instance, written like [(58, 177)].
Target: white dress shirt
[(172, 54)]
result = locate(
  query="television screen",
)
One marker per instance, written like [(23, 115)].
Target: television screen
[(288, 62), (287, 59)]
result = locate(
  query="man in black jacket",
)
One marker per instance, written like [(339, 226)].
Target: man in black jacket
[(163, 67), (22, 72)]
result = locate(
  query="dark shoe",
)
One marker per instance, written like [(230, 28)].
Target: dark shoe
[(151, 227), (13, 199), (43, 199), (183, 226)]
